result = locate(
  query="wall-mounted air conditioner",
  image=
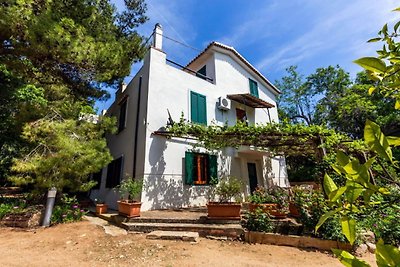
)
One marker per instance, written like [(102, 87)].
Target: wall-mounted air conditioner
[(224, 103)]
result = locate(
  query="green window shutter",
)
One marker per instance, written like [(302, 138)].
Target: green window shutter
[(253, 87), (198, 108), (213, 167), (189, 166), (202, 109), (193, 107)]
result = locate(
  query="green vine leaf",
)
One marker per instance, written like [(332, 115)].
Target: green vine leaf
[(377, 141)]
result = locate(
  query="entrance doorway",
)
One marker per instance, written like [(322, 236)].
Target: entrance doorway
[(253, 182)]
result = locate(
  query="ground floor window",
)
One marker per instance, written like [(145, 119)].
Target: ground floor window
[(97, 178), (200, 168), (114, 171)]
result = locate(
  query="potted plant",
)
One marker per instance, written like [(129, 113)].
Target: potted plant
[(227, 190), (274, 201), (101, 207), (130, 189), (300, 200), (296, 192)]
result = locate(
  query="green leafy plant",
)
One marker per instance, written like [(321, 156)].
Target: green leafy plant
[(258, 221), (274, 195), (57, 141), (229, 188), (130, 188), (12, 206), (68, 210)]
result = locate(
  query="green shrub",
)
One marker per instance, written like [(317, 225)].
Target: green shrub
[(384, 222), (275, 195), (258, 221), (228, 188), (11, 206), (130, 187), (312, 206), (67, 210)]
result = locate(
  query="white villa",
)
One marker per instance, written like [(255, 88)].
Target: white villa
[(217, 86)]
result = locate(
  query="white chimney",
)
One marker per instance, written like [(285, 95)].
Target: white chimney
[(157, 36)]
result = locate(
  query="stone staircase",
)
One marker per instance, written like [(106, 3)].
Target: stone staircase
[(173, 220)]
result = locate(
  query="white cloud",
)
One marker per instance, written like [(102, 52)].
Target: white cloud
[(345, 27)]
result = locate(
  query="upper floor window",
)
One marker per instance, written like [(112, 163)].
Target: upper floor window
[(122, 115), (200, 168), (202, 73), (198, 108), (241, 115), (114, 171), (253, 87)]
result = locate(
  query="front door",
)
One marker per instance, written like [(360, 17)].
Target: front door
[(251, 168)]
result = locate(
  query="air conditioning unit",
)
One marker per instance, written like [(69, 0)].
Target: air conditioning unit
[(224, 103)]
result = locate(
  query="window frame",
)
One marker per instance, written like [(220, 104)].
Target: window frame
[(253, 85), (244, 118), (202, 73), (195, 111), (114, 172), (123, 111), (202, 176)]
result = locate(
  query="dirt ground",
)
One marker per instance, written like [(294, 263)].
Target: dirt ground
[(86, 244)]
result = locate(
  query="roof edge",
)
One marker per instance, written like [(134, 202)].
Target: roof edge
[(240, 57)]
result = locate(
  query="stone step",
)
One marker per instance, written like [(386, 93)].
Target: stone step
[(174, 235), (200, 220), (228, 230)]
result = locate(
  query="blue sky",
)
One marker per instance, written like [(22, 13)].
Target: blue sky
[(271, 34)]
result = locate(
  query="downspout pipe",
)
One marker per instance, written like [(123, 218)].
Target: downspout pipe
[(135, 143)]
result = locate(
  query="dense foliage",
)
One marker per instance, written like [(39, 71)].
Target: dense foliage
[(258, 221), (55, 58), (329, 97), (278, 138), (67, 210), (65, 153)]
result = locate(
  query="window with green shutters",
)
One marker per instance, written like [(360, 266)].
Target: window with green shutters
[(200, 168), (198, 108), (253, 87)]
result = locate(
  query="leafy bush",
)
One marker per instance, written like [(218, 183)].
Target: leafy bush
[(258, 221), (312, 206), (275, 195), (384, 222), (229, 188), (11, 206), (130, 187), (67, 211)]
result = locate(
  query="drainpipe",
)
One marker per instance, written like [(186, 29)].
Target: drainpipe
[(135, 150)]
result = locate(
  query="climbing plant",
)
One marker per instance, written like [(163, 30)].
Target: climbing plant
[(277, 138)]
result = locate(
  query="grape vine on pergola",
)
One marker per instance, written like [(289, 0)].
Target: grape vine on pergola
[(276, 138)]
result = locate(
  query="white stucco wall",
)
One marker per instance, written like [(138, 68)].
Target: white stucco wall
[(123, 143), (169, 88)]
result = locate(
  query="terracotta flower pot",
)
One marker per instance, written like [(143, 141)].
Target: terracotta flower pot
[(129, 209), (101, 208), (224, 211), (294, 211), (271, 208)]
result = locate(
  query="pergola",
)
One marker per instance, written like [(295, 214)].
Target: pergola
[(268, 137)]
